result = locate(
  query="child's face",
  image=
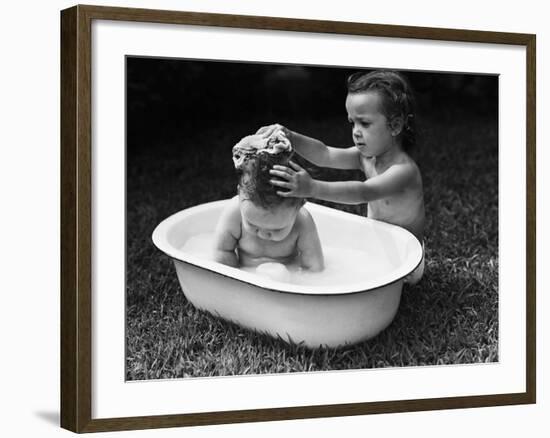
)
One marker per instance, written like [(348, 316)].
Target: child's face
[(274, 224), (371, 131)]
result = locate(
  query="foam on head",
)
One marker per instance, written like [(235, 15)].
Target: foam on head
[(251, 145), (253, 157)]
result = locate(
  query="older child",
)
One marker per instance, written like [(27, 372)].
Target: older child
[(258, 226), (380, 110)]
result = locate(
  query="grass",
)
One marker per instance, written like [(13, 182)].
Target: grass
[(450, 317)]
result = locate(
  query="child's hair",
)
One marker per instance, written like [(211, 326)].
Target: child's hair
[(254, 180), (397, 98), (253, 157)]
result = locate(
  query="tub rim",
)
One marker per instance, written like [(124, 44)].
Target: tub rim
[(410, 264)]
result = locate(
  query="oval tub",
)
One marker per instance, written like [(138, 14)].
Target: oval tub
[(313, 315)]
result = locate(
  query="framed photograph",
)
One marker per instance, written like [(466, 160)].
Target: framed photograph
[(268, 218)]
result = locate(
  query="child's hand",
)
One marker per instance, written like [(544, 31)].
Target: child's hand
[(266, 131), (298, 181)]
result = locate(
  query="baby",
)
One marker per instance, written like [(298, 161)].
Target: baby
[(259, 227)]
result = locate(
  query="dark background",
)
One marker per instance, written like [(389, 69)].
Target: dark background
[(167, 98), (183, 118)]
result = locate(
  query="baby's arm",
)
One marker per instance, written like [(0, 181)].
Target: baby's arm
[(227, 234), (316, 151), (309, 245), (300, 184)]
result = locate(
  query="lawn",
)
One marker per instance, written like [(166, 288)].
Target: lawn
[(450, 317)]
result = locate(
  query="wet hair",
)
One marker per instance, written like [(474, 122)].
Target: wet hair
[(254, 180), (397, 98)]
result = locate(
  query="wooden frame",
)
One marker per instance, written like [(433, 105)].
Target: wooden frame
[(76, 173)]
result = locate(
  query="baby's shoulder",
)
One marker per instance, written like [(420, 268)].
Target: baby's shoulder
[(304, 213), (230, 219), (232, 208), (304, 220)]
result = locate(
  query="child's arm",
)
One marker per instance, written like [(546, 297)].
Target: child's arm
[(316, 151), (300, 184), (309, 245), (227, 234), (325, 156)]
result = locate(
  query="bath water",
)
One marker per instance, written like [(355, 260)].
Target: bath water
[(342, 265)]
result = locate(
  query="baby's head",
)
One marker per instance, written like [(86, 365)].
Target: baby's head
[(263, 211), (397, 99)]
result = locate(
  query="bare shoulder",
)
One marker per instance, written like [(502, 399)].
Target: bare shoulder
[(309, 243), (407, 169), (304, 220), (414, 170), (230, 218)]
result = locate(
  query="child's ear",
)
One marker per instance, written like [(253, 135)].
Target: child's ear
[(396, 125)]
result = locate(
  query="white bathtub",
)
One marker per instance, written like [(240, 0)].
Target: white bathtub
[(315, 315)]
